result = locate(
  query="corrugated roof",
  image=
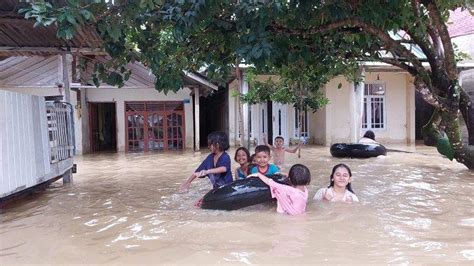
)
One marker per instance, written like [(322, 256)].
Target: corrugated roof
[(18, 36), (460, 23), (34, 71), (29, 71)]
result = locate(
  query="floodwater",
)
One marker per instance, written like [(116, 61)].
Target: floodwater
[(124, 208)]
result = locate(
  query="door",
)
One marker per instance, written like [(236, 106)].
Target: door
[(154, 126), (102, 126), (280, 122)]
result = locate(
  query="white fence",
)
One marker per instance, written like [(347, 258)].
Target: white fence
[(36, 141)]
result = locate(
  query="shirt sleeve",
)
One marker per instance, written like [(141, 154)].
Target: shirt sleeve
[(253, 170), (206, 164), (320, 194), (276, 189), (353, 197), (273, 169), (224, 161)]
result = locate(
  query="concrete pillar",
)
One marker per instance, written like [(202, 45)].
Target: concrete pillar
[(411, 108), (245, 112), (67, 177), (356, 106)]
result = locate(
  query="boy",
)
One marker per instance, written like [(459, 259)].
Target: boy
[(262, 157), (279, 150)]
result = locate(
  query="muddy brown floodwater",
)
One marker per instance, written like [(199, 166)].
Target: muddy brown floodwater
[(415, 208)]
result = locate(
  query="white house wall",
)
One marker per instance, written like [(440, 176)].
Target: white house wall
[(333, 124), (120, 96), (42, 91), (24, 149), (338, 119)]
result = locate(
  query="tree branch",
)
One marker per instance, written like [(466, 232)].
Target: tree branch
[(449, 58), (427, 95), (356, 22)]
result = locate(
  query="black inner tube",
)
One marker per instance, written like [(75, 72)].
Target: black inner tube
[(240, 193), (357, 150)]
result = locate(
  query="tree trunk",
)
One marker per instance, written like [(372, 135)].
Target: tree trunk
[(430, 131), (462, 153), (467, 112)]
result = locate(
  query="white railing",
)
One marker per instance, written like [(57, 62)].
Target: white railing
[(60, 128)]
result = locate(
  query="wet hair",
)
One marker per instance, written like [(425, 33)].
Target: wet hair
[(246, 153), (369, 134), (219, 139), (263, 148), (299, 175), (331, 181), (252, 157), (280, 137)]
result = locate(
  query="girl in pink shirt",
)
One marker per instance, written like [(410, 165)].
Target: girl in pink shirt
[(290, 199)]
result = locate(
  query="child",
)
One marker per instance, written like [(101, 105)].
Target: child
[(368, 138), (262, 157), (216, 166), (242, 157), (339, 188), (290, 199), (279, 150)]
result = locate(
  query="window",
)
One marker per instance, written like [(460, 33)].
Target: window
[(374, 106), (304, 123)]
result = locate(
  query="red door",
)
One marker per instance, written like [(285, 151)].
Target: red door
[(154, 126)]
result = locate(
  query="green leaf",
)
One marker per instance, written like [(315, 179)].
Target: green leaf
[(444, 147), (86, 14), (71, 19)]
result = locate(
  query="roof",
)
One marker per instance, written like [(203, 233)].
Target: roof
[(460, 23), (18, 37), (39, 71)]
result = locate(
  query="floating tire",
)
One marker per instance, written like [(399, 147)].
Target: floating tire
[(240, 193), (357, 150)]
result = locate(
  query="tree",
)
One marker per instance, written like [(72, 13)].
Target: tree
[(171, 36)]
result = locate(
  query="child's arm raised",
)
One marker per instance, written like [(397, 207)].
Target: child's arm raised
[(265, 179), (266, 143), (293, 150)]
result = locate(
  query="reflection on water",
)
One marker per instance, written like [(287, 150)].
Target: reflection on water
[(415, 208)]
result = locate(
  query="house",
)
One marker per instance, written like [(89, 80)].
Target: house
[(135, 117), (385, 102)]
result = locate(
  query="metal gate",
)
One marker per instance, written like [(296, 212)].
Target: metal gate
[(154, 126)]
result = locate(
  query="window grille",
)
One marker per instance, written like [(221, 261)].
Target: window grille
[(374, 106), (61, 131)]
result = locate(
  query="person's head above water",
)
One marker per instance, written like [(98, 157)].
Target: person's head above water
[(218, 140), (262, 155), (242, 155), (299, 175), (369, 134), (279, 141), (341, 176)]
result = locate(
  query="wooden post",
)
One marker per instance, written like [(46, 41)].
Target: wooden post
[(66, 82), (196, 120)]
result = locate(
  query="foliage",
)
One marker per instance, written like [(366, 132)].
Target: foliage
[(304, 40)]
